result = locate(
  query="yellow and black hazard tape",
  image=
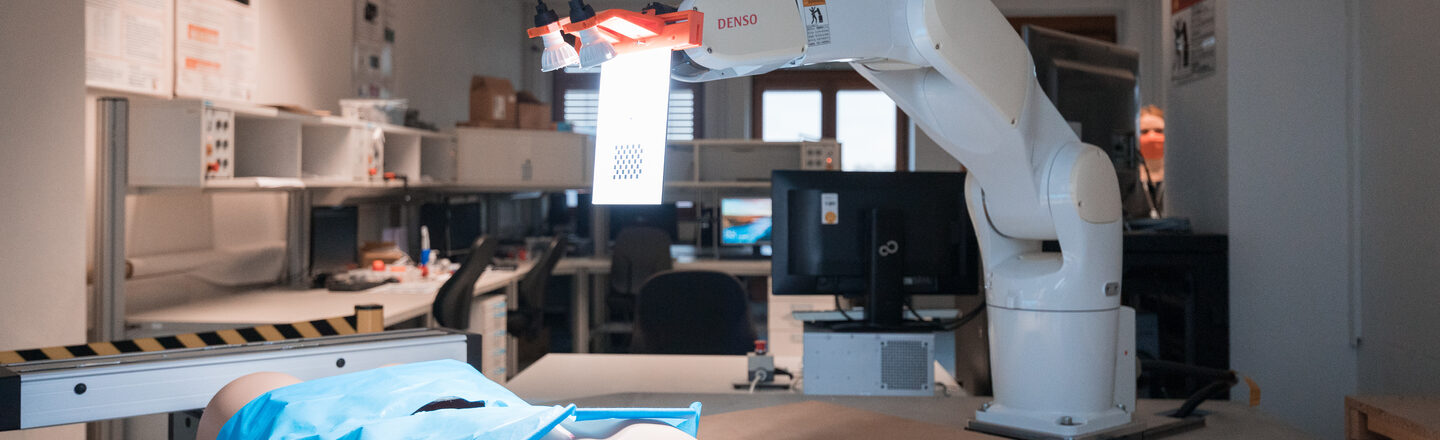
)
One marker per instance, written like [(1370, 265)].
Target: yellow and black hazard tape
[(367, 319)]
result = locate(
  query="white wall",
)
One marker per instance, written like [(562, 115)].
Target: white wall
[(1196, 127), (440, 44), (42, 210), (1398, 203), (1289, 207), (305, 52), (727, 108)]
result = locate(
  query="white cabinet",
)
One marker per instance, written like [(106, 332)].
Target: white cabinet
[(522, 158), (488, 317)]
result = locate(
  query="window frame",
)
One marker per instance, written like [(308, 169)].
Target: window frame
[(829, 83)]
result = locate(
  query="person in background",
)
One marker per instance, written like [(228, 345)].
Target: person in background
[(1152, 149)]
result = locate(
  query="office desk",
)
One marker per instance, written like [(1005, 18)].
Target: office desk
[(587, 268), (667, 381), (402, 302), (601, 265)]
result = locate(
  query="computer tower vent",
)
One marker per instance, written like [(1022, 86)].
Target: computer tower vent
[(904, 365)]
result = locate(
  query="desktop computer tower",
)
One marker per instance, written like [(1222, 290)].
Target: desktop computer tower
[(868, 364)]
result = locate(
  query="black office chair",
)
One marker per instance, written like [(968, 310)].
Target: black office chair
[(526, 321), (639, 253), (452, 303), (693, 312)]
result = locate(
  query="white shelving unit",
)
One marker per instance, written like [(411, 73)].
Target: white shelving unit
[(278, 150), (265, 148)]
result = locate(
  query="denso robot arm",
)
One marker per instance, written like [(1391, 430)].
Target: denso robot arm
[(1061, 345)]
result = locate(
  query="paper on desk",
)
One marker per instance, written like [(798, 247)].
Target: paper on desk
[(278, 182), (240, 266), (236, 266), (167, 264)]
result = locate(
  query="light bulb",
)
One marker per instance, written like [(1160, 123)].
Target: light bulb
[(594, 49), (558, 54)]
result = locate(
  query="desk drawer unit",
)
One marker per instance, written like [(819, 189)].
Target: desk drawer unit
[(488, 319)]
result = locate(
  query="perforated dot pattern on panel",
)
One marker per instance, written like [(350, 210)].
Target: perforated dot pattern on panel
[(903, 365), (629, 162)]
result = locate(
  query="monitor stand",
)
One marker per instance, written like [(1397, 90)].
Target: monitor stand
[(886, 298)]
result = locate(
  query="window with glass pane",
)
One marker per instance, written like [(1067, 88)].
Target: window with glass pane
[(791, 115), (582, 108), (681, 123), (583, 105), (865, 127)]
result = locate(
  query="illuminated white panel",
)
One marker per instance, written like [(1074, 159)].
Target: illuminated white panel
[(630, 131)]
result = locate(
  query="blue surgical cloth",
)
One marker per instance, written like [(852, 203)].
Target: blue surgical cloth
[(382, 403)]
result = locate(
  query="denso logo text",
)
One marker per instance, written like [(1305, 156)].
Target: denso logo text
[(741, 21)]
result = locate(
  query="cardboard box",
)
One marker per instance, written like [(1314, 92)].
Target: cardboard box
[(492, 102), (533, 114)]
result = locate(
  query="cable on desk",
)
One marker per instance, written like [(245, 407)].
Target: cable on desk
[(842, 310), (759, 376), (1221, 380), (974, 313), (910, 305)]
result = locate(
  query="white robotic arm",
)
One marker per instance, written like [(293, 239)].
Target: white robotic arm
[(1061, 346)]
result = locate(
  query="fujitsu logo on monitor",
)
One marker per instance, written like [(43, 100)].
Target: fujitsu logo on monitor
[(738, 21)]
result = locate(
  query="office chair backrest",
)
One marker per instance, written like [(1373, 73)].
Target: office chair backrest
[(693, 312), (639, 253), (526, 321), (452, 303), (528, 317)]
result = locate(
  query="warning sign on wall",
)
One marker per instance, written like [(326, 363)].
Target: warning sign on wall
[(816, 16), (1193, 22)]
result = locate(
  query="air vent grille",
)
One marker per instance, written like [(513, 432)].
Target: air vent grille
[(903, 365)]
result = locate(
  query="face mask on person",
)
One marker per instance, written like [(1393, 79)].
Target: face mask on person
[(1152, 137)]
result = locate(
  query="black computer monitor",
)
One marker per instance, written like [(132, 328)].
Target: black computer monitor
[(1095, 86), (745, 221), (334, 239), (453, 226), (880, 235), (661, 216)]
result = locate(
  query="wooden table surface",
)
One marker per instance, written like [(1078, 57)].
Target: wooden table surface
[(674, 381)]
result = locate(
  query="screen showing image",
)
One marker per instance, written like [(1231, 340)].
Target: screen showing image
[(745, 221)]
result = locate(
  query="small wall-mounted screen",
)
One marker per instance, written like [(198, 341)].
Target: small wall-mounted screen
[(745, 221)]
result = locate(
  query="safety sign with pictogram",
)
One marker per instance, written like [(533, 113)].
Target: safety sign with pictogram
[(816, 16)]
